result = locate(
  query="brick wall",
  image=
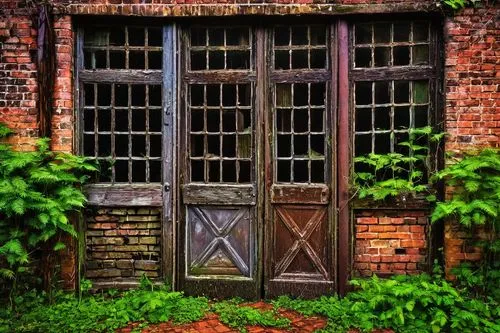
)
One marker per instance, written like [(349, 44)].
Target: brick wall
[(18, 83), (472, 114), (391, 242), (122, 243), (473, 78), (62, 117)]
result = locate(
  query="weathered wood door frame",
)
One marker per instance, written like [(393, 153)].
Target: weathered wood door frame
[(215, 208), (283, 199)]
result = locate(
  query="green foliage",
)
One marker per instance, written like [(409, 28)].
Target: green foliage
[(460, 4), (403, 303), (100, 313), (237, 316), (476, 198), (475, 202), (478, 280), (396, 174), (37, 192)]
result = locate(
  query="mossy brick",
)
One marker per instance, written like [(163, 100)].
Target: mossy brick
[(116, 211), (94, 233), (147, 240), (107, 240), (106, 218), (131, 240), (131, 248), (146, 265), (124, 264), (108, 263), (103, 273), (150, 274)]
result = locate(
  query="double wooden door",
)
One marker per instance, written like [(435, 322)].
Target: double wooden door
[(257, 141)]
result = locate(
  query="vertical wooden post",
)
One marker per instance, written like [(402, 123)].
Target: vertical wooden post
[(46, 60), (169, 137), (343, 155)]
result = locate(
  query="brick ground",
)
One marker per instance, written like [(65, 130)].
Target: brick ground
[(211, 324)]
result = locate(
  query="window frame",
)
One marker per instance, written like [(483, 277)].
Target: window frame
[(137, 194), (433, 72)]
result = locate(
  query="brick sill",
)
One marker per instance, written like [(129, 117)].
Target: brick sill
[(400, 202)]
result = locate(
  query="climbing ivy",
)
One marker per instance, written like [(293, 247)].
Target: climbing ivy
[(396, 174)]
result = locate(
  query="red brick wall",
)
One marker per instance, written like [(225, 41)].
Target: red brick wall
[(472, 77), (391, 242), (62, 118), (18, 84)]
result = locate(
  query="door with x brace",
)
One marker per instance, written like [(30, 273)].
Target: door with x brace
[(299, 224), (218, 234)]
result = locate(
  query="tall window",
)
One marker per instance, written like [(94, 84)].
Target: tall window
[(121, 102), (394, 73), (300, 80), (220, 77)]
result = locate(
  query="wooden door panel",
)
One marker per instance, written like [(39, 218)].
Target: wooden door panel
[(218, 236), (220, 241), (300, 242)]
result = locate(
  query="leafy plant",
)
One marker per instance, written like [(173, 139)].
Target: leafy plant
[(379, 176), (38, 190), (237, 316), (475, 203), (459, 4), (403, 303), (103, 314)]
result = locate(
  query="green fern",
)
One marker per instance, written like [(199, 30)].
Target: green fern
[(38, 190)]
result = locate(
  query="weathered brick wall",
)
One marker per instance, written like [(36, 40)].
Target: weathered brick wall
[(122, 243), (391, 242), (18, 83), (62, 117), (460, 245), (473, 78), (472, 114)]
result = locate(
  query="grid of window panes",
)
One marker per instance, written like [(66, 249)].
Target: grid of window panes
[(122, 128), (220, 109), (123, 47), (385, 111), (299, 105), (217, 48), (300, 132), (385, 44), (300, 47)]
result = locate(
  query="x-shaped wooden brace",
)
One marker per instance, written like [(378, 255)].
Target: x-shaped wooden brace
[(220, 240), (301, 240)]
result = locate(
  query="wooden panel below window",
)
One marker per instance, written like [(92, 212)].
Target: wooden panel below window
[(220, 241), (124, 195), (208, 194), (304, 194)]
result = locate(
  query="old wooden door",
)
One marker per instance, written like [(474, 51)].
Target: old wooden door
[(299, 223), (219, 218)]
